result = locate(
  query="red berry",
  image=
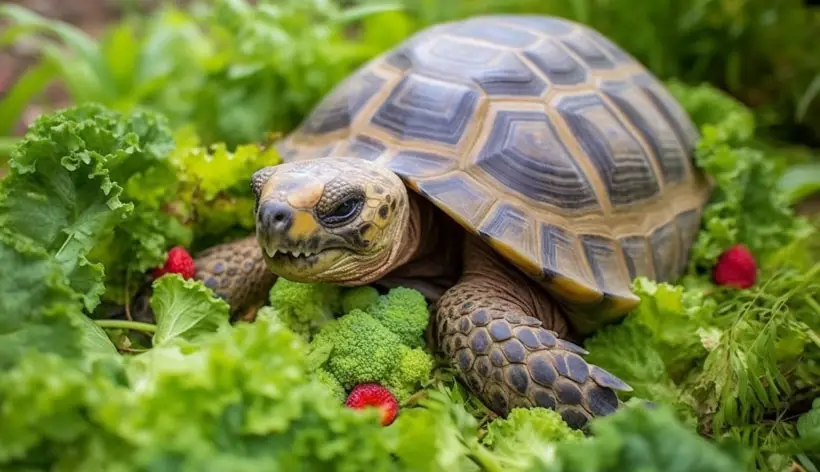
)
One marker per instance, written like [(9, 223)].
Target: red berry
[(736, 267), (365, 395), (177, 262)]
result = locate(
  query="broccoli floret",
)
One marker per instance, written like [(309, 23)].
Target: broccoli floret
[(359, 298), (404, 312), (305, 308), (363, 350), (327, 380), (379, 340), (413, 369)]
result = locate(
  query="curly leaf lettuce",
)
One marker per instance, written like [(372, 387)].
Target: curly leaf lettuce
[(216, 191), (655, 347), (647, 440), (440, 435), (59, 193), (78, 187), (39, 311), (747, 204), (240, 400), (528, 436), (36, 304), (185, 309)]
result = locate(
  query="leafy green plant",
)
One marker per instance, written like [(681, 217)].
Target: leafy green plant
[(233, 70), (732, 362), (156, 61)]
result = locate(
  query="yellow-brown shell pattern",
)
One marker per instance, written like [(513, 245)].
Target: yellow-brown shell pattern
[(538, 134)]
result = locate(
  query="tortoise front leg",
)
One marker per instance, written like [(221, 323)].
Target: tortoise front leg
[(503, 335), (235, 271)]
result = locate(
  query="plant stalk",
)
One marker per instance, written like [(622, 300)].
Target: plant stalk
[(125, 324)]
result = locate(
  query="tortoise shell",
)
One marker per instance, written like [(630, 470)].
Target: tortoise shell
[(540, 135)]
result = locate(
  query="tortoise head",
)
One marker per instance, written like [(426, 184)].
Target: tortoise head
[(332, 220)]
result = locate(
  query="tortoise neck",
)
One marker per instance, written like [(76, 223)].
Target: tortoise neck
[(429, 255), (418, 235)]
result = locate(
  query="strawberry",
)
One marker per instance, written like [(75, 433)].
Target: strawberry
[(177, 262), (736, 267), (365, 395)]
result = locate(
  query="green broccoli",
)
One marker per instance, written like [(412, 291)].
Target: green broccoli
[(404, 312), (363, 350), (327, 380), (383, 348), (305, 308), (414, 368), (360, 298)]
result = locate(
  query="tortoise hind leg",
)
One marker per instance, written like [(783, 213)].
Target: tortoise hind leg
[(494, 326)]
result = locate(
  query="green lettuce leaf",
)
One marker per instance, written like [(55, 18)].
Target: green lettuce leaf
[(808, 430), (747, 204), (239, 400), (628, 351), (657, 345), (527, 436), (186, 309), (647, 440), (37, 307), (88, 185), (440, 435), (59, 193), (216, 191)]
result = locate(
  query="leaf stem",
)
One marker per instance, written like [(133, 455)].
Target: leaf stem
[(125, 324), (484, 459)]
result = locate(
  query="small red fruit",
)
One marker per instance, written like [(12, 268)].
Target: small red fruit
[(736, 267), (177, 262), (365, 395)]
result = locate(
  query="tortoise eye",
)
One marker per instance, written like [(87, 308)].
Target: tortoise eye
[(345, 211)]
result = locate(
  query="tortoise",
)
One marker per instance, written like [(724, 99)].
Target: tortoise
[(519, 170)]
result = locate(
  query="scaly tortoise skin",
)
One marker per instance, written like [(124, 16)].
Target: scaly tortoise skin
[(567, 163)]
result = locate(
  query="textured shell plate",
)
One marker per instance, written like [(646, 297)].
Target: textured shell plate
[(538, 134)]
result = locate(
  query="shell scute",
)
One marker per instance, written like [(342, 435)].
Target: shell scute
[(511, 232), (337, 109), (493, 32), (556, 63), (653, 128), (541, 136), (427, 109), (524, 152), (588, 50), (622, 163)]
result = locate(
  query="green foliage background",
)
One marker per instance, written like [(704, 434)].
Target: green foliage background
[(207, 64)]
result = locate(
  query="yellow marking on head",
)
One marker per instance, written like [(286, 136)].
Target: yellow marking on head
[(381, 222), (306, 196), (267, 190), (368, 213), (370, 233), (373, 203), (304, 225), (525, 263)]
